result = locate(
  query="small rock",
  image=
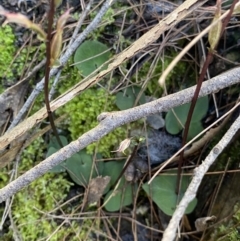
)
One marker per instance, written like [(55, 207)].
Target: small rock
[(161, 146), (156, 121)]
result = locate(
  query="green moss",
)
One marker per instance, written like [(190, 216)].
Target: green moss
[(107, 19), (43, 195), (83, 111), (229, 231), (31, 205), (11, 70), (7, 51)]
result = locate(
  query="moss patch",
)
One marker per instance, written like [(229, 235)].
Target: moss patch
[(83, 111), (31, 205)]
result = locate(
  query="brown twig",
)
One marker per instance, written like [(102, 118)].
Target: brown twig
[(109, 122), (196, 93), (126, 165), (47, 71)]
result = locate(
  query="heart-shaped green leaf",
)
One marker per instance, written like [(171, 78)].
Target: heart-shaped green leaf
[(59, 168), (90, 56), (113, 170), (176, 118), (121, 197), (54, 143), (162, 190), (194, 129), (125, 99), (79, 167)]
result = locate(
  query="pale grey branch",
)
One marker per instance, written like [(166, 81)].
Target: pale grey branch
[(110, 121), (63, 60), (199, 172)]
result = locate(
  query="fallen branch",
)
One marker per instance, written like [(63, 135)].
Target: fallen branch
[(108, 122), (199, 172), (220, 82), (152, 35), (63, 60)]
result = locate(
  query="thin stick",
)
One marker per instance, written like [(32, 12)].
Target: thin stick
[(199, 173), (109, 122), (47, 71), (63, 60)]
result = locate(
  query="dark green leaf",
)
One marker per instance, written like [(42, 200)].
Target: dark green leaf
[(121, 197), (91, 55), (54, 143), (162, 191), (53, 147), (194, 129), (179, 115), (113, 170), (79, 167), (125, 99)]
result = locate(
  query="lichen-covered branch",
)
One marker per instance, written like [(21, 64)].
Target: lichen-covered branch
[(152, 35), (199, 173), (63, 60), (110, 121)]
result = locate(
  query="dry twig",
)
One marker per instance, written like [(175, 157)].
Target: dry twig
[(152, 35), (109, 122), (199, 173)]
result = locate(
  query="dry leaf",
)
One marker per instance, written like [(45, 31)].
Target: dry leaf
[(23, 20), (123, 145), (215, 32), (11, 101), (56, 44), (236, 10), (96, 188), (202, 223), (129, 173), (136, 169), (57, 3)]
